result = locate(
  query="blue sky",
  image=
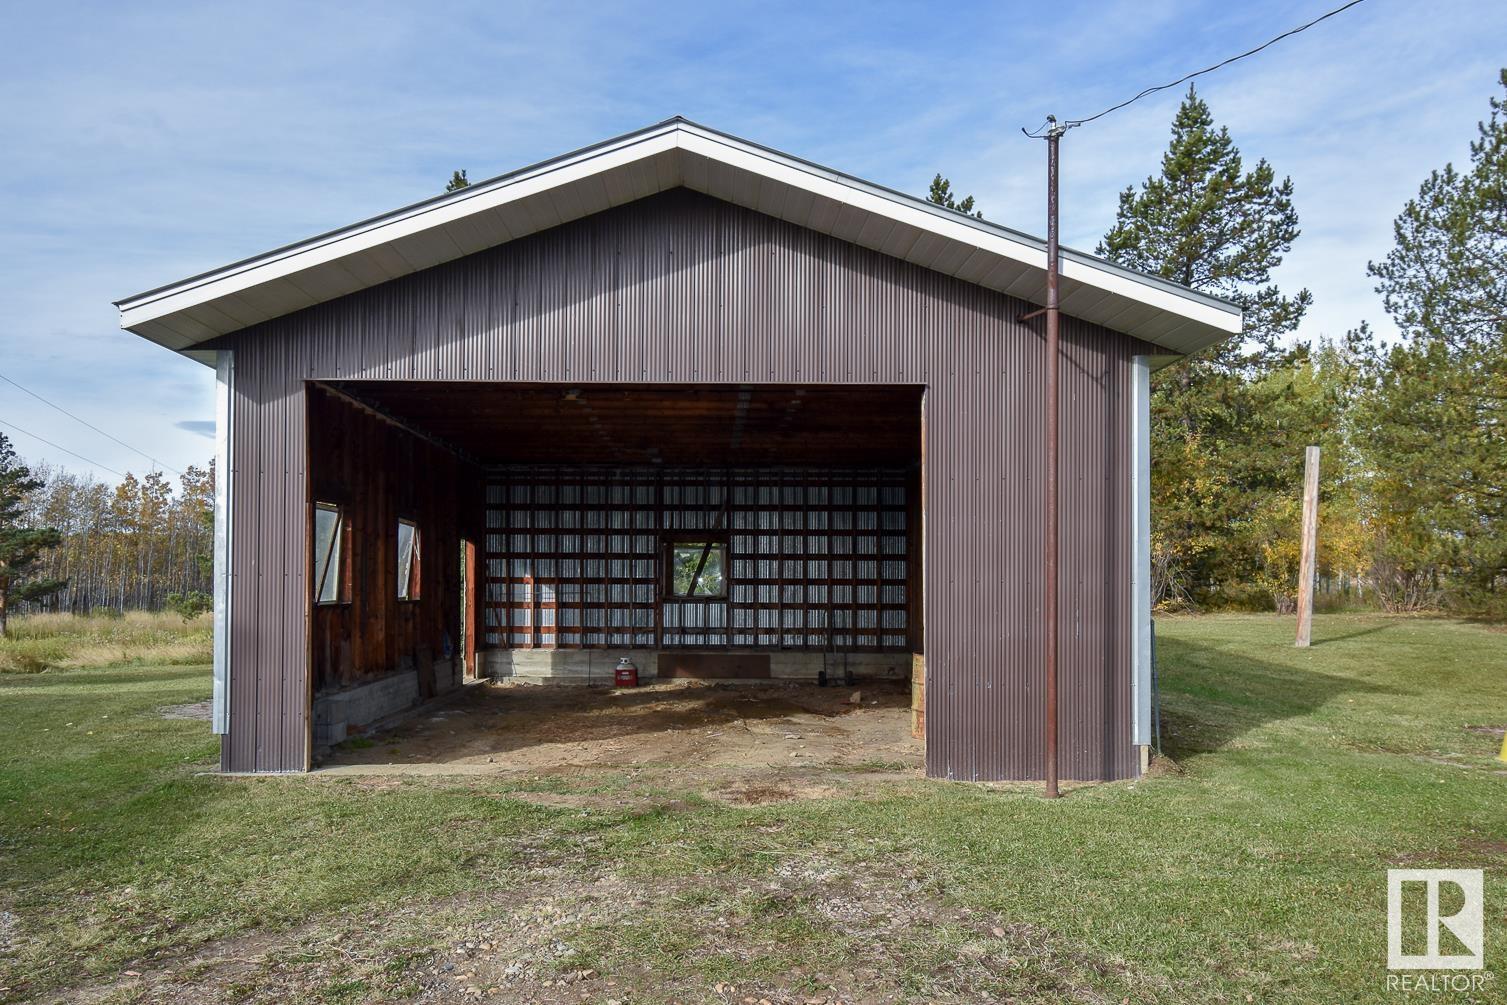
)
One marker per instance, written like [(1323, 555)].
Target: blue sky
[(150, 141)]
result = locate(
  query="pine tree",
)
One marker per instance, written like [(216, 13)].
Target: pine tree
[(1209, 224), (1224, 440), (20, 545), (1446, 276), (1437, 418), (941, 194), (458, 181)]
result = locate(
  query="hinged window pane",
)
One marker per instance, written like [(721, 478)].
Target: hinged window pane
[(696, 569), (329, 545), (409, 560)]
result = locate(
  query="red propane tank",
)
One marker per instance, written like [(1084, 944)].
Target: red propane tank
[(626, 674)]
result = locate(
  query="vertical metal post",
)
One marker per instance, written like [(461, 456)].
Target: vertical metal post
[(1156, 694), (1140, 554), (224, 410), (1049, 565)]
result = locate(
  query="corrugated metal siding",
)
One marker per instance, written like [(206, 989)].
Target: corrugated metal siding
[(681, 287), (269, 723), (817, 560)]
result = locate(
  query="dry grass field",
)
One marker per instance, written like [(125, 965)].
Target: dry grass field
[(39, 642)]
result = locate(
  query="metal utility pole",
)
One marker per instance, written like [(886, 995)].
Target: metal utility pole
[(1052, 132), (1049, 564), (1310, 545)]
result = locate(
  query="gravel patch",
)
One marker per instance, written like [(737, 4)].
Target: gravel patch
[(199, 711)]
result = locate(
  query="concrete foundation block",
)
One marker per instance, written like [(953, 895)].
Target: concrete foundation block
[(595, 666), (863, 666), (564, 666), (338, 714)]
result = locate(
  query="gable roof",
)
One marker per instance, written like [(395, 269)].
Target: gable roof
[(673, 153)]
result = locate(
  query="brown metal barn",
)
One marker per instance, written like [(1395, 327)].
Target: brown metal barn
[(684, 397)]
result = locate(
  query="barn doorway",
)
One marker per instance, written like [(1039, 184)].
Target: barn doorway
[(763, 535)]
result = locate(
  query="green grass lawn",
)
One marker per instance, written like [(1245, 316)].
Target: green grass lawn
[(1254, 872)]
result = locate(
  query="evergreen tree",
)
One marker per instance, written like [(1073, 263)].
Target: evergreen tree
[(941, 194), (1209, 224), (1224, 438), (20, 545), (1436, 420), (1447, 276), (458, 181)]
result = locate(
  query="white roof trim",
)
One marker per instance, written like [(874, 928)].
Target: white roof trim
[(668, 155)]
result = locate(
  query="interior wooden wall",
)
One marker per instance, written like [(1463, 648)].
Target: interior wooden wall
[(379, 473)]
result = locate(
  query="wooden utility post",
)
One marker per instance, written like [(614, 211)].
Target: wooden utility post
[(1310, 545)]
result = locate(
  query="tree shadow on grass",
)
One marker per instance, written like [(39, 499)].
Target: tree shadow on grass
[(1213, 697)]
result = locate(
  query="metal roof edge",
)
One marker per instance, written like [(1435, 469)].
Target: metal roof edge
[(985, 226), (474, 190), (625, 140)]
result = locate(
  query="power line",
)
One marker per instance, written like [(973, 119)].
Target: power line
[(55, 446), (1070, 123), (91, 425)]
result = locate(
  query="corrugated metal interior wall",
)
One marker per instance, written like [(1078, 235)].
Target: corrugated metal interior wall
[(817, 559), (684, 288)]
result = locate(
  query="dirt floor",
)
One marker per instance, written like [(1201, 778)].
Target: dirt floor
[(666, 748), (708, 736)]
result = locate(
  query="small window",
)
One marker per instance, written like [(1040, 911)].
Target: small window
[(330, 555), (409, 560), (698, 569)]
